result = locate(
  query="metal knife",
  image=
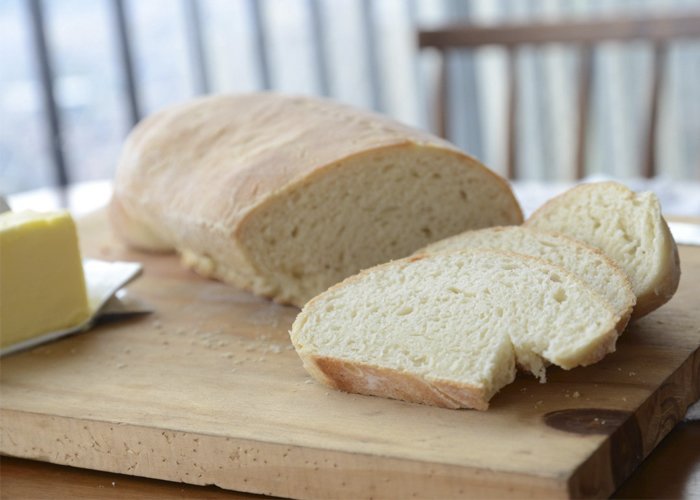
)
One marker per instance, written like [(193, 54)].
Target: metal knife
[(685, 233)]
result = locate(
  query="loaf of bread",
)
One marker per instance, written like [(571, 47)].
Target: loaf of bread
[(628, 227), (285, 196), (590, 264), (448, 329)]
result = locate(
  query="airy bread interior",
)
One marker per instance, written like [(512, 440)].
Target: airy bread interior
[(588, 263), (628, 227), (366, 210), (457, 322)]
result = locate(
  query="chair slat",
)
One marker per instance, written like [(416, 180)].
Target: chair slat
[(584, 98), (658, 63), (657, 28)]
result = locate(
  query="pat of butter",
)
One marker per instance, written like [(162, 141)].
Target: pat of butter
[(42, 285)]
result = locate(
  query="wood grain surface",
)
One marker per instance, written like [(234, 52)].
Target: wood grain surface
[(671, 471), (207, 390)]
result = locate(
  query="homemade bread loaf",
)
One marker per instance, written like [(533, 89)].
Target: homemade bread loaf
[(286, 196), (447, 329), (590, 264), (628, 227)]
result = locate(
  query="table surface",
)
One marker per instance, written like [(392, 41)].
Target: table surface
[(671, 471)]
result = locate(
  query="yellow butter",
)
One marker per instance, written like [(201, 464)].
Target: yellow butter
[(42, 285)]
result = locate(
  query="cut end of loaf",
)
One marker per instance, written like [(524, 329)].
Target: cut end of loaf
[(368, 209)]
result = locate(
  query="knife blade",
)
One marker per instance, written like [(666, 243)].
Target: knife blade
[(685, 233)]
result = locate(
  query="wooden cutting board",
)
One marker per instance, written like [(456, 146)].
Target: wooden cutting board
[(208, 390)]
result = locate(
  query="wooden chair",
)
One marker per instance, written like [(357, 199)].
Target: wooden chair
[(658, 31)]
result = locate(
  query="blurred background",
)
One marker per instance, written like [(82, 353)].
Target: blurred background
[(75, 75)]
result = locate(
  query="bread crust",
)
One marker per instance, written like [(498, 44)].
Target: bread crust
[(671, 277), (191, 177), (362, 378)]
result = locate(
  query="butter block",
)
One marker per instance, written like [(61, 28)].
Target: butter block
[(42, 285)]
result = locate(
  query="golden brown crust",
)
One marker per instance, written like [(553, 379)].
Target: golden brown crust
[(275, 141), (362, 378), (668, 286)]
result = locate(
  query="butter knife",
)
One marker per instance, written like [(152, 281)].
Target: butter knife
[(685, 233)]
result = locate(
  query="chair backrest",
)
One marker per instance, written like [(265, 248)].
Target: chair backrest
[(658, 31)]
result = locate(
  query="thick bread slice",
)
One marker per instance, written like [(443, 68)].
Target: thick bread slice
[(286, 196), (628, 227), (590, 264), (447, 329)]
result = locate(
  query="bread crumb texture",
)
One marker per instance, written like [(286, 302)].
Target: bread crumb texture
[(588, 263), (626, 226), (448, 329), (286, 196)]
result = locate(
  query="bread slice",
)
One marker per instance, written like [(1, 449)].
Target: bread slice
[(590, 264), (628, 227), (448, 329), (286, 196)]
